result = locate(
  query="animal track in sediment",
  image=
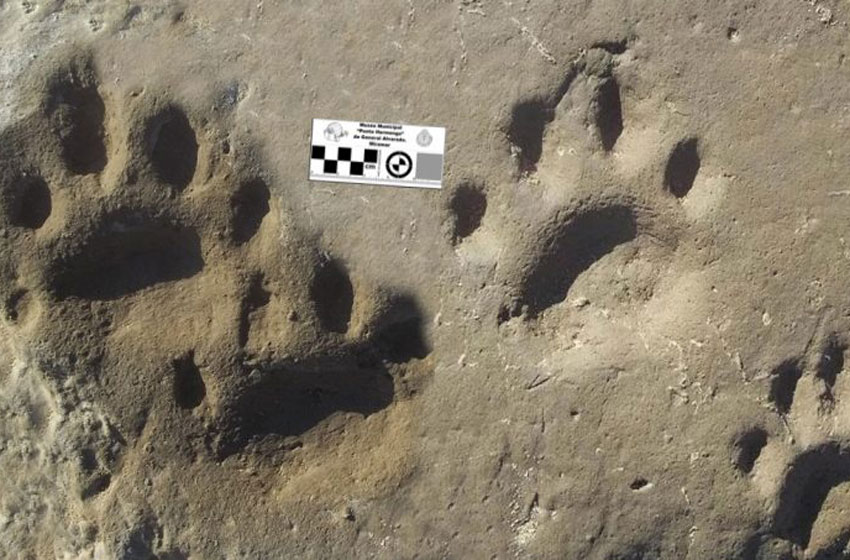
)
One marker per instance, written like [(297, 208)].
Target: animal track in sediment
[(189, 387), (601, 113), (163, 263), (286, 397), (173, 147), (582, 224), (747, 448), (76, 112), (255, 301), (783, 383), (333, 293), (250, 205), (831, 364), (27, 202), (467, 206), (126, 253), (571, 248), (682, 167), (807, 473), (607, 112)]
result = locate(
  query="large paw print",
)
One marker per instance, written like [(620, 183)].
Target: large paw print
[(804, 470), (148, 257)]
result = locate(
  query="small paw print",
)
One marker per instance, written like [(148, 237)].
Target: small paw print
[(805, 475), (603, 198), (590, 252)]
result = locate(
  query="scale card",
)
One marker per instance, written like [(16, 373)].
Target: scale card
[(401, 155)]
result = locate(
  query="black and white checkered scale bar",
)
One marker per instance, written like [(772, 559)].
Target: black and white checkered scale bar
[(345, 161)]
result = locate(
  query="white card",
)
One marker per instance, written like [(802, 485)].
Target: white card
[(371, 153)]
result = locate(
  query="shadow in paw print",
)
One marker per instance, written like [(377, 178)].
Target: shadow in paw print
[(94, 479), (762, 546), (333, 296), (635, 552), (812, 475), (835, 551), (292, 398), (77, 111), (28, 202), (830, 365), (15, 303), (189, 386), (96, 485), (583, 240), (783, 383), (747, 449), (468, 205), (255, 300), (607, 113), (618, 46), (399, 336), (173, 147), (682, 167), (125, 255), (142, 542), (249, 205), (529, 120)]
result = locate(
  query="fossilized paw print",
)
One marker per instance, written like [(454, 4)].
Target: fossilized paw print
[(600, 205), (590, 243), (593, 253), (801, 463), (148, 257)]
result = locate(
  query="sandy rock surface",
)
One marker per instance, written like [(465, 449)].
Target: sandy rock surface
[(618, 331)]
